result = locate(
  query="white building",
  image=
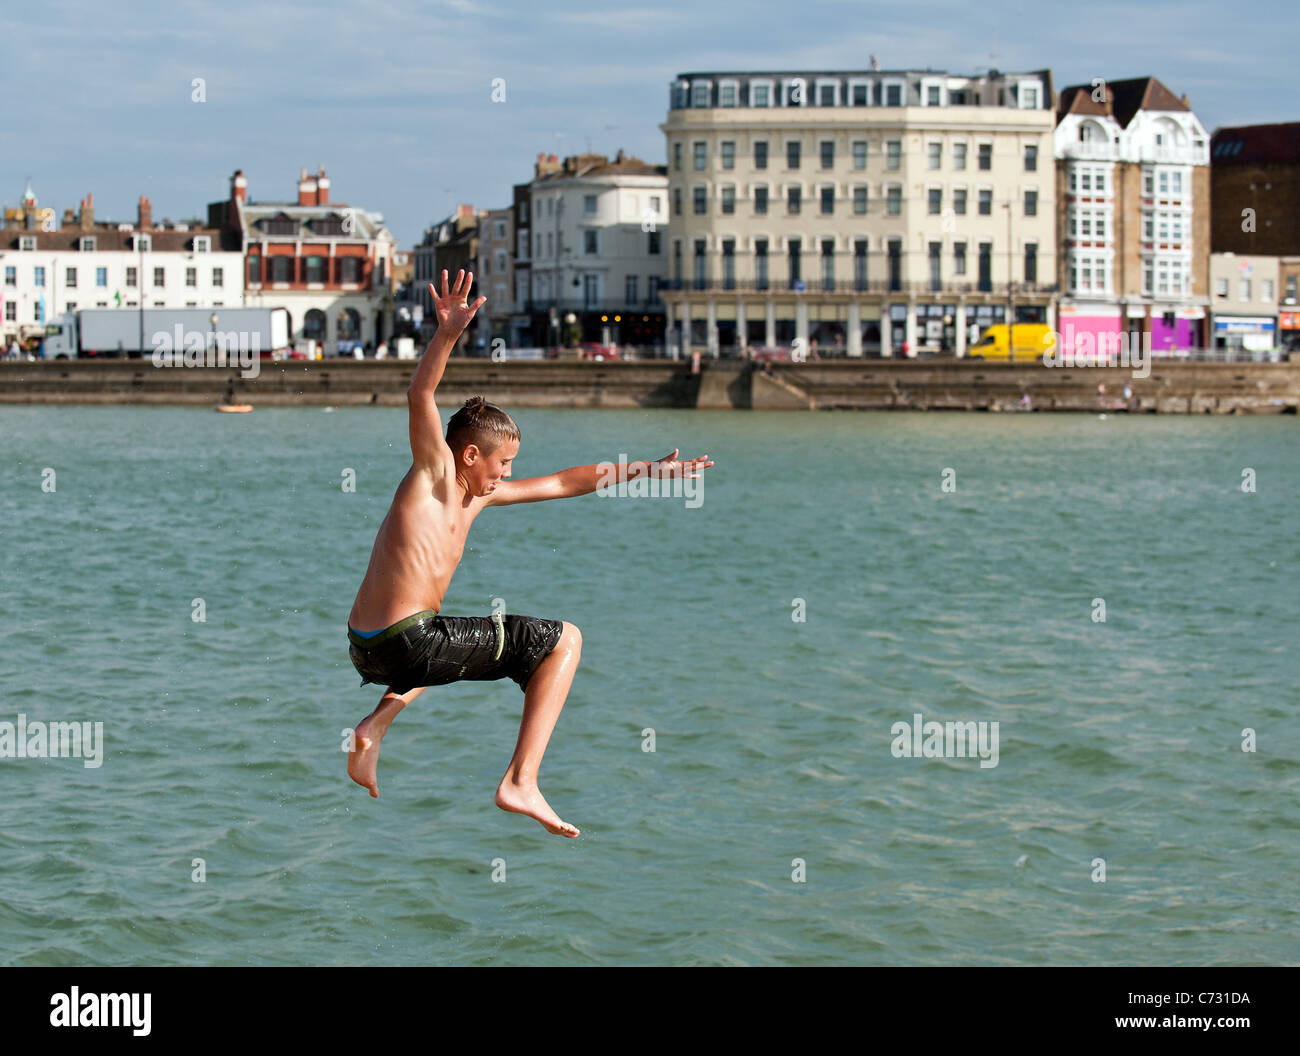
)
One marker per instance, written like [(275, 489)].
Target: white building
[(858, 212), (84, 264), (597, 254)]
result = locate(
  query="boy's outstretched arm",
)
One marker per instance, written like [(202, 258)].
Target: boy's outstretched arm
[(453, 314), (583, 480)]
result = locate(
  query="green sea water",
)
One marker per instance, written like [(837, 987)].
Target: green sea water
[(767, 640)]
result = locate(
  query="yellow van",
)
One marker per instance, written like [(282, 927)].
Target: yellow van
[(1032, 340)]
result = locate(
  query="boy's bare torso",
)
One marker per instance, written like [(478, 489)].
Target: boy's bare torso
[(416, 552)]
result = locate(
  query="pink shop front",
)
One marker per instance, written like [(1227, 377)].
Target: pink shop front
[(1172, 328)]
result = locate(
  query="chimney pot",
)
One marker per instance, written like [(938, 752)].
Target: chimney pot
[(306, 189)]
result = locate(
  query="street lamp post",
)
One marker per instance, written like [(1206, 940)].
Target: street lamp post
[(557, 278), (1011, 305), (139, 278)]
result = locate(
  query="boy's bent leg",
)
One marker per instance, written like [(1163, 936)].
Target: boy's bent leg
[(543, 698), (363, 760)]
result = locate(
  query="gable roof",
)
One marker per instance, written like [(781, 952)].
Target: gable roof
[(1124, 99)]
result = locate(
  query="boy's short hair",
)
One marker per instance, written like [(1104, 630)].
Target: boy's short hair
[(481, 423)]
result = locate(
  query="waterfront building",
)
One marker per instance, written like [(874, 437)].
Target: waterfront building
[(47, 270), (1243, 302), (858, 212), (1255, 181), (521, 328), (327, 262), (451, 244), (1133, 179), (494, 271), (1288, 319), (597, 254)]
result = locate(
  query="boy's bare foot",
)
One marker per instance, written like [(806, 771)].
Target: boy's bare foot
[(363, 761), (526, 798)]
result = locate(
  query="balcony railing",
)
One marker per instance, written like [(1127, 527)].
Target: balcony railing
[(849, 286), (609, 305)]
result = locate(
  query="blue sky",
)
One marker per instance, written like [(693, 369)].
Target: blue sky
[(394, 98)]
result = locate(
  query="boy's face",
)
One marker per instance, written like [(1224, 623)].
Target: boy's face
[(485, 471)]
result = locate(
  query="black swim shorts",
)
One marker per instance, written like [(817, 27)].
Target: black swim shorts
[(431, 650)]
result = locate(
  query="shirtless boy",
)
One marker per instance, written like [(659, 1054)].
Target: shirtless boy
[(397, 636)]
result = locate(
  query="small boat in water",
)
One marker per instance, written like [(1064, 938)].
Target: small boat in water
[(235, 408)]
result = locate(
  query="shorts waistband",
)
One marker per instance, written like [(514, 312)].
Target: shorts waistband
[(390, 632)]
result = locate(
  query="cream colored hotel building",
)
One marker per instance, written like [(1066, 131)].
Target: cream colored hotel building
[(858, 211)]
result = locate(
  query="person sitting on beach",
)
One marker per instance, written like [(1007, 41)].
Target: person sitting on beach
[(398, 637)]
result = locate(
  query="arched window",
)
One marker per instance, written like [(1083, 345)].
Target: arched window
[(313, 325), (1169, 133), (349, 325)]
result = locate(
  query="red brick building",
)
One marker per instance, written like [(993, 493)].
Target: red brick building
[(328, 263)]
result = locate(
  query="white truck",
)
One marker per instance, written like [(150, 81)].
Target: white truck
[(113, 332)]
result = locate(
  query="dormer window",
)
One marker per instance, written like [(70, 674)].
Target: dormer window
[(279, 225), (143, 243), (88, 245), (202, 243), (328, 225), (27, 243)]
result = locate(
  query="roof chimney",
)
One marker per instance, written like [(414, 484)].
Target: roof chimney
[(238, 187), (306, 189), (322, 186), (144, 214), (69, 218), (86, 218)]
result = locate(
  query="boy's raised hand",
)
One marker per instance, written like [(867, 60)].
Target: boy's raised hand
[(671, 466), (451, 307)]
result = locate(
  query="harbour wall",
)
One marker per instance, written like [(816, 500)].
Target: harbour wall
[(866, 384)]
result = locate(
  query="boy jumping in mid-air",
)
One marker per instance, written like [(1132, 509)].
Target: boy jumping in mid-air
[(398, 637)]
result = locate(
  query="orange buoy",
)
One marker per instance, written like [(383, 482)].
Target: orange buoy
[(235, 408)]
